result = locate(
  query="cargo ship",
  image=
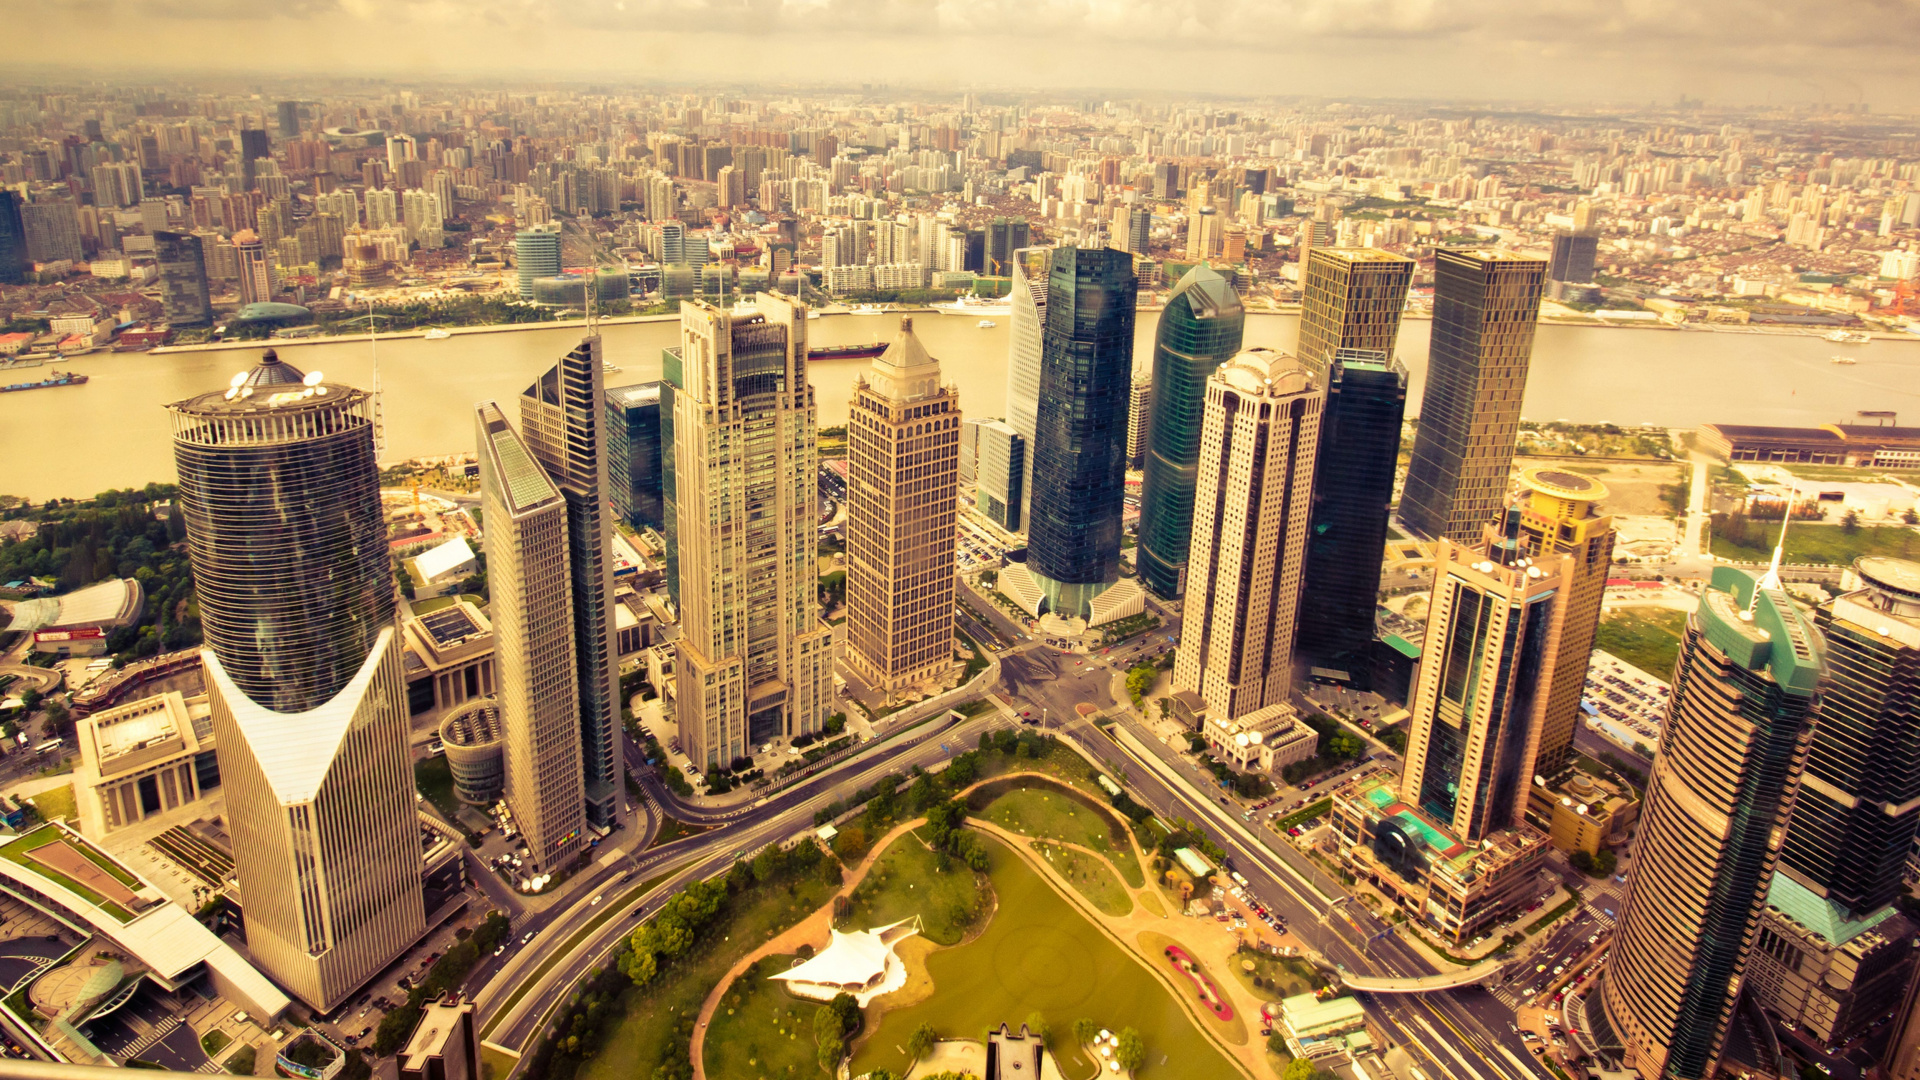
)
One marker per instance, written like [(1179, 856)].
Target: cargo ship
[(58, 378), (847, 352)]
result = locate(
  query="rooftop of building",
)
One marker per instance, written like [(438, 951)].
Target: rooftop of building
[(272, 384), (1758, 626), (1562, 484), (1360, 255), (1822, 916), (112, 602), (441, 558), (452, 626), (637, 394), (439, 1022)]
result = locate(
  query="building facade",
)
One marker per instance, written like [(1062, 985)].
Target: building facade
[(1560, 516), (633, 454), (1255, 486), (183, 278), (1717, 804), (281, 495), (1139, 415), (1352, 498), (255, 272), (536, 255), (1486, 305), (563, 424), (999, 467), (530, 579), (754, 663), (903, 482), (1025, 333), (1200, 329), (1351, 299), (14, 260), (1080, 437)]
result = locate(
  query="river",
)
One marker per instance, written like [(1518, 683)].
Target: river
[(112, 432)]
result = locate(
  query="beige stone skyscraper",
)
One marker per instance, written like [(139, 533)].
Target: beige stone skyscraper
[(529, 579), (1260, 427), (1560, 517), (754, 662), (1352, 299), (903, 457)]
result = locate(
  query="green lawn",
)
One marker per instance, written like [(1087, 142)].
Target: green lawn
[(1277, 977), (1090, 876), (905, 882), (1842, 473), (638, 1042), (674, 829), (434, 778), (56, 805), (761, 1031), (1054, 813), (215, 1041), (1040, 955), (1647, 638), (1826, 544), (47, 834)]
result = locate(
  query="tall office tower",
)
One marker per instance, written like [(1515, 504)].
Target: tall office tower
[(400, 150), (289, 114), (281, 497), (633, 453), (1573, 255), (1492, 636), (1080, 428), (1352, 495), (1139, 229), (903, 459), (256, 273), (1731, 755), (14, 261), (755, 664), (1203, 234), (1139, 417), (536, 254), (563, 422), (1026, 336), (999, 467), (1200, 329), (1485, 307), (1560, 517), (1004, 237), (183, 278), (530, 579), (1260, 425), (1352, 299), (254, 145), (52, 229)]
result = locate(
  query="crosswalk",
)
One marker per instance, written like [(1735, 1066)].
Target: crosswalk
[(152, 1035)]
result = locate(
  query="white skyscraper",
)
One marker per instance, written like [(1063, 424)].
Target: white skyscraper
[(1030, 267)]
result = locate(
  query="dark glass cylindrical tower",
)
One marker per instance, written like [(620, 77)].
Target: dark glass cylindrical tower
[(1200, 329), (281, 492)]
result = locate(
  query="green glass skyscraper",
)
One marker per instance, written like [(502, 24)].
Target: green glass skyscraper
[(1080, 438), (1200, 329)]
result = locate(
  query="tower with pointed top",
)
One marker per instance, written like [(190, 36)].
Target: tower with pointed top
[(903, 462)]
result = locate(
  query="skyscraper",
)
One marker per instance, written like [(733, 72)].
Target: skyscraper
[(1492, 633), (256, 273), (633, 453), (754, 662), (1139, 418), (1560, 517), (1200, 329), (1026, 335), (903, 457), (255, 144), (1731, 755), (1004, 237), (289, 116), (1352, 494), (563, 424), (1485, 307), (1080, 437), (1573, 255), (1352, 299), (14, 260), (183, 278), (52, 230), (530, 581), (1139, 229), (1259, 428), (536, 254), (281, 497), (999, 464)]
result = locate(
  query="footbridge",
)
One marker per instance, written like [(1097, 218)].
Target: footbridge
[(1425, 984)]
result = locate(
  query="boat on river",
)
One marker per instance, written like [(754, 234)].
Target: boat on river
[(436, 334), (58, 378), (1841, 360), (1849, 337), (976, 305), (847, 352)]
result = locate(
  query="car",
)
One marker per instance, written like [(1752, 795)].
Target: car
[(527, 937), (498, 949)]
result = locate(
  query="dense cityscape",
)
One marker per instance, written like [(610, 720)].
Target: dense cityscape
[(511, 580)]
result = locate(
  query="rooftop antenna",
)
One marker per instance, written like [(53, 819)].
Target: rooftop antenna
[(1771, 580)]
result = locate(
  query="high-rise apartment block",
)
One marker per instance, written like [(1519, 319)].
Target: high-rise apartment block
[(1200, 329), (1026, 334), (1080, 437), (183, 278), (1139, 229), (1260, 426), (1352, 496), (903, 458), (1005, 236), (1352, 299), (1560, 516), (531, 583), (999, 465), (754, 662), (281, 495), (633, 454), (1731, 756), (1486, 305), (563, 423), (1139, 417)]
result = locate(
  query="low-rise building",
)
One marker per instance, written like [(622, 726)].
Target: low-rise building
[(445, 1045), (1581, 812), (449, 657), (1263, 740), (1457, 890), (77, 624), (143, 758), (440, 569), (1324, 1031), (1859, 445)]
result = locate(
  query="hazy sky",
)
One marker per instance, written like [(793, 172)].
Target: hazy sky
[(1731, 51)]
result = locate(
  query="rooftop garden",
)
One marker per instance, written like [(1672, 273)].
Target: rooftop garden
[(20, 851)]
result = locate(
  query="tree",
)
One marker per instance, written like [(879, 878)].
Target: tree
[(1850, 523), (832, 1049), (1131, 1052), (1037, 1025), (921, 1041), (1084, 1030), (1298, 1069)]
